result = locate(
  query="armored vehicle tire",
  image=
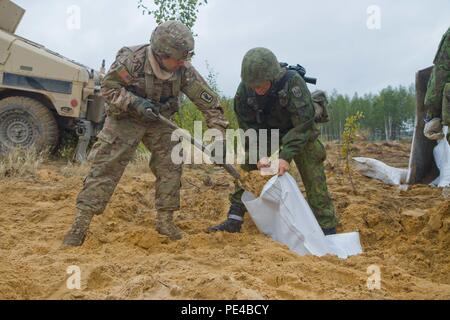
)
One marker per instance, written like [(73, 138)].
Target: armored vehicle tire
[(26, 122)]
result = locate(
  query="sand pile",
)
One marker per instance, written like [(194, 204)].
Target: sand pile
[(253, 181), (405, 233)]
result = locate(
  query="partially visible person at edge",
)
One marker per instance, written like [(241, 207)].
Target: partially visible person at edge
[(437, 98)]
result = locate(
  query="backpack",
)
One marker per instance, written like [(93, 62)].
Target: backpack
[(319, 97)]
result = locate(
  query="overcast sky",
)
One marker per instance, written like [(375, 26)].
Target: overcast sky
[(331, 39)]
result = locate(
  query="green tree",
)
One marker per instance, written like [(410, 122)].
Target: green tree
[(185, 11), (386, 114), (351, 127), (211, 78)]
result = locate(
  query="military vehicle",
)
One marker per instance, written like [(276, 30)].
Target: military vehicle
[(43, 93)]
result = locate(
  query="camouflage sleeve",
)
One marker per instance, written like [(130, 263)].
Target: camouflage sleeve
[(198, 91), (114, 84), (302, 113), (439, 77)]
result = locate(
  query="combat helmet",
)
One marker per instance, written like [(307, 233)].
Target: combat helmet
[(260, 65), (173, 39)]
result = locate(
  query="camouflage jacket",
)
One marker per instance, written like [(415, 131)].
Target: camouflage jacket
[(439, 77), (290, 110), (131, 75)]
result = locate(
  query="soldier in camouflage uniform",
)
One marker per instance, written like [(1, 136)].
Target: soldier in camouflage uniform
[(437, 98), (143, 81), (270, 97)]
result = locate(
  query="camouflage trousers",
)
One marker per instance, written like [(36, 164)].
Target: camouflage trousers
[(446, 105), (439, 77), (311, 169), (446, 108), (436, 90), (116, 146)]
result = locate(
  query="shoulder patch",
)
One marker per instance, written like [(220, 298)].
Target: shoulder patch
[(124, 75), (205, 96), (296, 91)]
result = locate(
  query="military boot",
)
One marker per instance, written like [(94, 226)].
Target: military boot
[(329, 231), (166, 227), (76, 235), (233, 223)]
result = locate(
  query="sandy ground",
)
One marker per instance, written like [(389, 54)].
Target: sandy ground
[(405, 233)]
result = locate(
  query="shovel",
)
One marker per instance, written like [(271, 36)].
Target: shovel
[(228, 167)]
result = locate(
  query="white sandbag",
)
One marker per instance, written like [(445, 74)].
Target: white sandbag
[(376, 169), (442, 158), (282, 213)]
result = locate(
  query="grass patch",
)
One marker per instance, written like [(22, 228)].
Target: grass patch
[(21, 162)]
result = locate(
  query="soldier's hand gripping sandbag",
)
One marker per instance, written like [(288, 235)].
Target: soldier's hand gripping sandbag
[(433, 129), (146, 109)]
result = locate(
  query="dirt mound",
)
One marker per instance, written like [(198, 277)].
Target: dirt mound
[(253, 181), (404, 233)]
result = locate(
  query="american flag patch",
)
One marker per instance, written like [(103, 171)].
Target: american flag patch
[(124, 75)]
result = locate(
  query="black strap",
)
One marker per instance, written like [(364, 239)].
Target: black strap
[(279, 85), (264, 110)]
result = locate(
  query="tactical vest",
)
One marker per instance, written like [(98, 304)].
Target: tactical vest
[(279, 93), (149, 86), (165, 92)]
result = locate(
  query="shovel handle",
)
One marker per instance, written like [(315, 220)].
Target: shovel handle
[(228, 167)]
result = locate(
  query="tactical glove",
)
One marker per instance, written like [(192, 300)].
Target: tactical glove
[(146, 109)]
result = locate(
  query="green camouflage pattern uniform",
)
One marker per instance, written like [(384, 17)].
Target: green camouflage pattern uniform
[(437, 98), (292, 112), (130, 76)]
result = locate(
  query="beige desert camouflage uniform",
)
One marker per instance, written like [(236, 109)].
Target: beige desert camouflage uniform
[(131, 75)]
